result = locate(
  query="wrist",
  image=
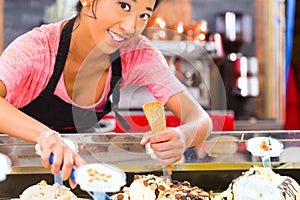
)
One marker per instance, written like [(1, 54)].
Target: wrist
[(43, 136), (46, 134), (181, 136)]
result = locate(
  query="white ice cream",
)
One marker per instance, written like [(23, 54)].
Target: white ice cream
[(5, 168), (43, 191), (262, 184)]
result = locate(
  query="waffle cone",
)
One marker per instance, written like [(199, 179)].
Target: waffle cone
[(155, 115)]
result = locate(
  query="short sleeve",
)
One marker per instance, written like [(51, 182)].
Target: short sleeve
[(27, 64), (145, 65)]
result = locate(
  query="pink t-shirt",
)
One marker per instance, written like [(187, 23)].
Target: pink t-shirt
[(27, 64)]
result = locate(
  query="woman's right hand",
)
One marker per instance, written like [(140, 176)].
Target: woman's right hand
[(65, 158)]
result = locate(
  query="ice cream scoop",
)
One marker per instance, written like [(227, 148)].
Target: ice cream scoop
[(95, 178), (98, 178), (265, 147)]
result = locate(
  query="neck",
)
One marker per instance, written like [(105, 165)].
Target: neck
[(81, 47)]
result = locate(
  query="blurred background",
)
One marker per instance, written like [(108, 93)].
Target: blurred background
[(230, 54)]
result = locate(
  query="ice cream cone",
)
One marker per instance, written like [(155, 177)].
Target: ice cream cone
[(155, 115)]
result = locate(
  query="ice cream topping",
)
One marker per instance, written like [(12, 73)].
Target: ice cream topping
[(151, 187), (43, 191)]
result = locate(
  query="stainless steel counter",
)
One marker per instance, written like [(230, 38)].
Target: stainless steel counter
[(257, 125), (212, 166)]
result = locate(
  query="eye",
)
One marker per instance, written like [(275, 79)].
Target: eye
[(125, 6), (145, 16)]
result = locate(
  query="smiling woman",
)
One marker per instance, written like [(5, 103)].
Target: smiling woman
[(113, 24), (63, 77)]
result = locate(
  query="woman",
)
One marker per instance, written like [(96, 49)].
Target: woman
[(59, 78)]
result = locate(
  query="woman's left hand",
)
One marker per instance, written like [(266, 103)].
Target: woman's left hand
[(168, 145)]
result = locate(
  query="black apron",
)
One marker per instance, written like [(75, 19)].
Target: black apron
[(62, 116)]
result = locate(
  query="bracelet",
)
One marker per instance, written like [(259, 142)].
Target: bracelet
[(46, 134)]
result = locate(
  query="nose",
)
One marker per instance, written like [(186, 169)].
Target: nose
[(129, 24)]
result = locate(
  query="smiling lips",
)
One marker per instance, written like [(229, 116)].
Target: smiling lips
[(116, 37)]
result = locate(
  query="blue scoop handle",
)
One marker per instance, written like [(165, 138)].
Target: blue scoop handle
[(72, 176)]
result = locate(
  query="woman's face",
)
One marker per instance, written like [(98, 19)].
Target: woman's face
[(117, 21)]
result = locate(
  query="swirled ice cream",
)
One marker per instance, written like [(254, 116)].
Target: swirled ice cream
[(43, 191), (260, 183), (151, 187)]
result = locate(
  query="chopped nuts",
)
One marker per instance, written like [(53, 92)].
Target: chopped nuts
[(178, 196), (43, 182), (91, 180), (120, 197), (145, 183), (96, 176), (108, 176), (153, 186), (163, 189)]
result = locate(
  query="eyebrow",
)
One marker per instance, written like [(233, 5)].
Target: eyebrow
[(147, 8), (150, 9)]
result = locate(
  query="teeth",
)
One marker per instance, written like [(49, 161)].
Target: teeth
[(116, 37)]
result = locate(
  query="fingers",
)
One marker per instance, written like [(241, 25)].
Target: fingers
[(163, 136), (45, 156), (168, 157), (170, 139), (168, 150), (56, 163), (145, 138), (64, 158), (168, 146), (67, 165), (71, 160), (55, 145), (78, 161), (157, 138)]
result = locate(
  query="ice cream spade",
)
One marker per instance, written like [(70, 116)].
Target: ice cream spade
[(97, 179), (265, 148)]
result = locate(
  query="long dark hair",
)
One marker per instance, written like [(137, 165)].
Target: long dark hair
[(78, 7)]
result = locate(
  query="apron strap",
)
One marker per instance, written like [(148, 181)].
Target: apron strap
[(62, 53), (116, 81)]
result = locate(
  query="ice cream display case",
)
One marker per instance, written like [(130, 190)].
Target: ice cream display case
[(211, 166)]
